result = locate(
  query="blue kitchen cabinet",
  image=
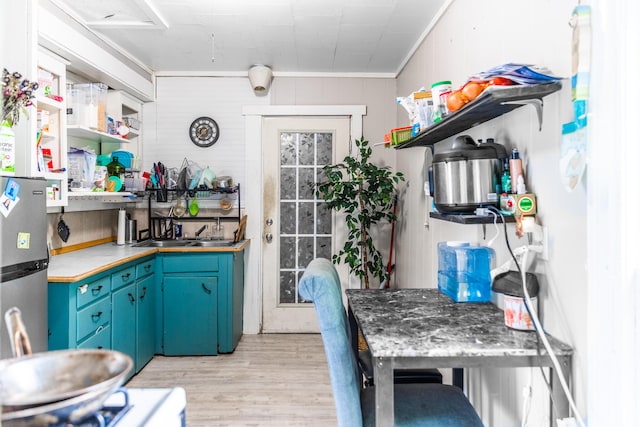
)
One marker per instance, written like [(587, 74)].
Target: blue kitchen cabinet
[(114, 309), (190, 315), (146, 320), (202, 294), (133, 312), (123, 327), (79, 313)]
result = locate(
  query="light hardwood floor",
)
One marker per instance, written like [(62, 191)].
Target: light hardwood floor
[(269, 380)]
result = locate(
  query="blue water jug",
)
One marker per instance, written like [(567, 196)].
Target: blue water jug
[(464, 271)]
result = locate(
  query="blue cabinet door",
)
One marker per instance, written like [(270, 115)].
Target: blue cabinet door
[(190, 315), (123, 324), (146, 321)]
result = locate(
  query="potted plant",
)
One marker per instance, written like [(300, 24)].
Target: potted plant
[(365, 193)]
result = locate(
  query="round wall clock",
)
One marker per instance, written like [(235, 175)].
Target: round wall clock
[(204, 132)]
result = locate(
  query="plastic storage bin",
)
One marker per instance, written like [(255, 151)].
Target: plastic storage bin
[(91, 105), (464, 271)]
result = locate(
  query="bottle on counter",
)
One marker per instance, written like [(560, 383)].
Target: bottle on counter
[(515, 166), (506, 178), (117, 169)]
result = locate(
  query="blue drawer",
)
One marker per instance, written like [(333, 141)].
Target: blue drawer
[(123, 277), (191, 263), (145, 268), (90, 318), (88, 292), (101, 339)]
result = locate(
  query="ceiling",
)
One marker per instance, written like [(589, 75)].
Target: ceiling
[(290, 36)]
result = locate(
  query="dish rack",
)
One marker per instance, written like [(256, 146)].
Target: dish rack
[(161, 217)]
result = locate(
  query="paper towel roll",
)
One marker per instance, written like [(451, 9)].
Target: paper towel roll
[(122, 221)]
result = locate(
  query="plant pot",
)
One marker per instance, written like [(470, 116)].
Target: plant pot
[(7, 149)]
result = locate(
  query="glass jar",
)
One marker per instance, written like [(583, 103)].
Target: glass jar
[(116, 169)]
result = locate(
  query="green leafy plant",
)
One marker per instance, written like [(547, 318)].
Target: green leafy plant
[(365, 193)]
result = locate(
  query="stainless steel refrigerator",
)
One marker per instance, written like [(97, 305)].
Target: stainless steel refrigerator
[(24, 258)]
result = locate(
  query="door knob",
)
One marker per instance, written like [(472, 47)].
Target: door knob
[(268, 237), (269, 221)]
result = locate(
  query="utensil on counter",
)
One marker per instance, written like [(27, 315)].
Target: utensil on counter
[(223, 182), (226, 204), (180, 207), (193, 206), (63, 228), (239, 233), (56, 387)]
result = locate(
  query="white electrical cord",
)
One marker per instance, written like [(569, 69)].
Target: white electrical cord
[(495, 224), (545, 341), (526, 400)]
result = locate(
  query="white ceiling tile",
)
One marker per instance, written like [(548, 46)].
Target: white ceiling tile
[(289, 35)]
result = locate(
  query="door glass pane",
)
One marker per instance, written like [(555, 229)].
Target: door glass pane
[(305, 225)]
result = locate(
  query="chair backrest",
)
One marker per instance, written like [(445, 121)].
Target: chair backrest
[(320, 284)]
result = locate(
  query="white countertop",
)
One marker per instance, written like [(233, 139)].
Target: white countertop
[(77, 265)]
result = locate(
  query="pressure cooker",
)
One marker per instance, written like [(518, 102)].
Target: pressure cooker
[(467, 175)]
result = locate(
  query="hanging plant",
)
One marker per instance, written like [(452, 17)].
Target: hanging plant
[(364, 192), (17, 94)]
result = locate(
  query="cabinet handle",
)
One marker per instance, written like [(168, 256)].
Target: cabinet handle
[(126, 276), (83, 289), (131, 298), (147, 268), (98, 330), (96, 316), (207, 290), (144, 292), (96, 290)]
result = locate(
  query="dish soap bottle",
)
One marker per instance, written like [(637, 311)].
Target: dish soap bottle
[(116, 169), (515, 164), (506, 178)]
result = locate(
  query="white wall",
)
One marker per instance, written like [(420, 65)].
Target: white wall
[(614, 272), (179, 101), (471, 37)]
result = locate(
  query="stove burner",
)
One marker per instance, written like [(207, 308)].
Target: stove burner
[(107, 416)]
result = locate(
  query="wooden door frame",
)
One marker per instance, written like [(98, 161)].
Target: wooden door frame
[(254, 115)]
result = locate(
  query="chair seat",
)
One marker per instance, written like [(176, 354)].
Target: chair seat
[(424, 405)]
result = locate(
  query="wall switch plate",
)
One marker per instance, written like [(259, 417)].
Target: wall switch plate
[(545, 244)]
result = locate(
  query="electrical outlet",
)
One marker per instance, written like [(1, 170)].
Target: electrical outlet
[(545, 243)]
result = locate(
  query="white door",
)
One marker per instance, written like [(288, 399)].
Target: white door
[(297, 226)]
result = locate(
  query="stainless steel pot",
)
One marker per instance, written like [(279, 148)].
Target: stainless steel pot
[(467, 176), (55, 387)]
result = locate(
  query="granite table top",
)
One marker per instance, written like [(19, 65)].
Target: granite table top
[(425, 323)]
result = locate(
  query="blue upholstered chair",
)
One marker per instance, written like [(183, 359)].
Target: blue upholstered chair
[(425, 405)]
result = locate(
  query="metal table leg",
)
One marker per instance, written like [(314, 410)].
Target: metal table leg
[(383, 374)]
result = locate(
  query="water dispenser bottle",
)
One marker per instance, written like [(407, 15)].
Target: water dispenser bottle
[(464, 271)]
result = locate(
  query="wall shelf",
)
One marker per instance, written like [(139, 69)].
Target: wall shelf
[(470, 219), (493, 102), (93, 135)]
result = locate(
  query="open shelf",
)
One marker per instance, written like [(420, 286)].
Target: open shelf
[(171, 195), (94, 135), (470, 219), (493, 102)]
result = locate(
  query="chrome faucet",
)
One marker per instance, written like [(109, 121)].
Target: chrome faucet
[(200, 230)]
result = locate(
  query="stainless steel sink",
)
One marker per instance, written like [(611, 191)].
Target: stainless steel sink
[(185, 243), (213, 243), (165, 243)]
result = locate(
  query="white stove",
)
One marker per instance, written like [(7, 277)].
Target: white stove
[(151, 407)]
